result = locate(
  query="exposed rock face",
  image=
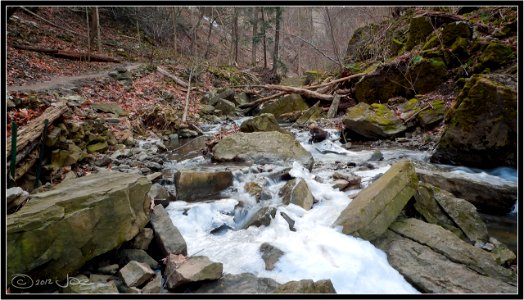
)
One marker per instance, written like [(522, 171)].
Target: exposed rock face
[(57, 231), (270, 255), (287, 104), (263, 122), (306, 286), (297, 192), (201, 185), (135, 273), (372, 122), (489, 197), (482, 130), (438, 261), (167, 235), (192, 269), (262, 148), (431, 272), (245, 283), (369, 215)]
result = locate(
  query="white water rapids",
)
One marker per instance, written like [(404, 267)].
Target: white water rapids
[(316, 250)]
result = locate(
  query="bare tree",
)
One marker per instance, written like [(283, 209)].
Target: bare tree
[(264, 37), (278, 17), (235, 35), (194, 31), (173, 18), (333, 41), (211, 25), (88, 35), (254, 38)]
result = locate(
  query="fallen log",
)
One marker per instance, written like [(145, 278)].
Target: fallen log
[(27, 164), (261, 100), (336, 81), (334, 107), (295, 90), (177, 80), (33, 130), (69, 54)]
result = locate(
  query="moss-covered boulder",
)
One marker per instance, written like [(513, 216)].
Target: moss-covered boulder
[(427, 73), (371, 122), (262, 147), (496, 55), (225, 106), (263, 122), (98, 147), (382, 83), (408, 109), (433, 114), (369, 215), (57, 231), (454, 30), (419, 29), (290, 103), (482, 129)]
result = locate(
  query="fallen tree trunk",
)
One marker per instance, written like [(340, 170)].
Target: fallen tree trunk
[(261, 100), (332, 112), (28, 163), (33, 130), (69, 54), (176, 79), (295, 90), (336, 81)]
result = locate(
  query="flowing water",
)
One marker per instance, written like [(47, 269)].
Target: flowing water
[(316, 250)]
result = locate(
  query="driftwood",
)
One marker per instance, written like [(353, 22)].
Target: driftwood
[(334, 107), (69, 54), (29, 134)]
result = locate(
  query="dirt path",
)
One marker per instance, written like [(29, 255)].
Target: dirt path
[(64, 81)]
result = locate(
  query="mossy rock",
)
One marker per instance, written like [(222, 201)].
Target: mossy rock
[(395, 46), (419, 29), (481, 130), (428, 74), (382, 83), (496, 55), (432, 115), (285, 104), (372, 122), (408, 109), (454, 30), (109, 108), (98, 147), (264, 122)]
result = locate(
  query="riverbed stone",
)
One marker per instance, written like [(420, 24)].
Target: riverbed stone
[(167, 235), (245, 283), (487, 196), (154, 286), (270, 255), (372, 211), (136, 273), (139, 255), (306, 286), (482, 128), (263, 122), (286, 104), (262, 148), (372, 122), (225, 106), (160, 195), (432, 272), (262, 217), (201, 185), (143, 239), (296, 191), (455, 249), (78, 220), (192, 269)]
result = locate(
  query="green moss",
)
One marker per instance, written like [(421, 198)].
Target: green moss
[(431, 43), (460, 46), (419, 29), (496, 54), (383, 116), (454, 30), (428, 74)]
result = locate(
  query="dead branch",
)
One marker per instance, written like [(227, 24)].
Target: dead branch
[(300, 91), (334, 107), (68, 54), (261, 100), (336, 81), (186, 108)]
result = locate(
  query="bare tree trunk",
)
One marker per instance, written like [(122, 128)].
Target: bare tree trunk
[(278, 16), (209, 32), (254, 38), (186, 108), (334, 43), (97, 22), (235, 35), (88, 36), (264, 37), (137, 28), (195, 36), (173, 12)]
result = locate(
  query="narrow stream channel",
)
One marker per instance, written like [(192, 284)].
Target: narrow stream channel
[(315, 250)]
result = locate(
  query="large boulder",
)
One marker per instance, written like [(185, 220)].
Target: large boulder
[(492, 197), (446, 243), (296, 191), (419, 29), (306, 286), (434, 114), (381, 83), (191, 269), (263, 122), (58, 231), (375, 121), (262, 148), (136, 273), (369, 215), (201, 185), (482, 129), (225, 106), (262, 217), (287, 104), (495, 55), (245, 283), (432, 272)]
